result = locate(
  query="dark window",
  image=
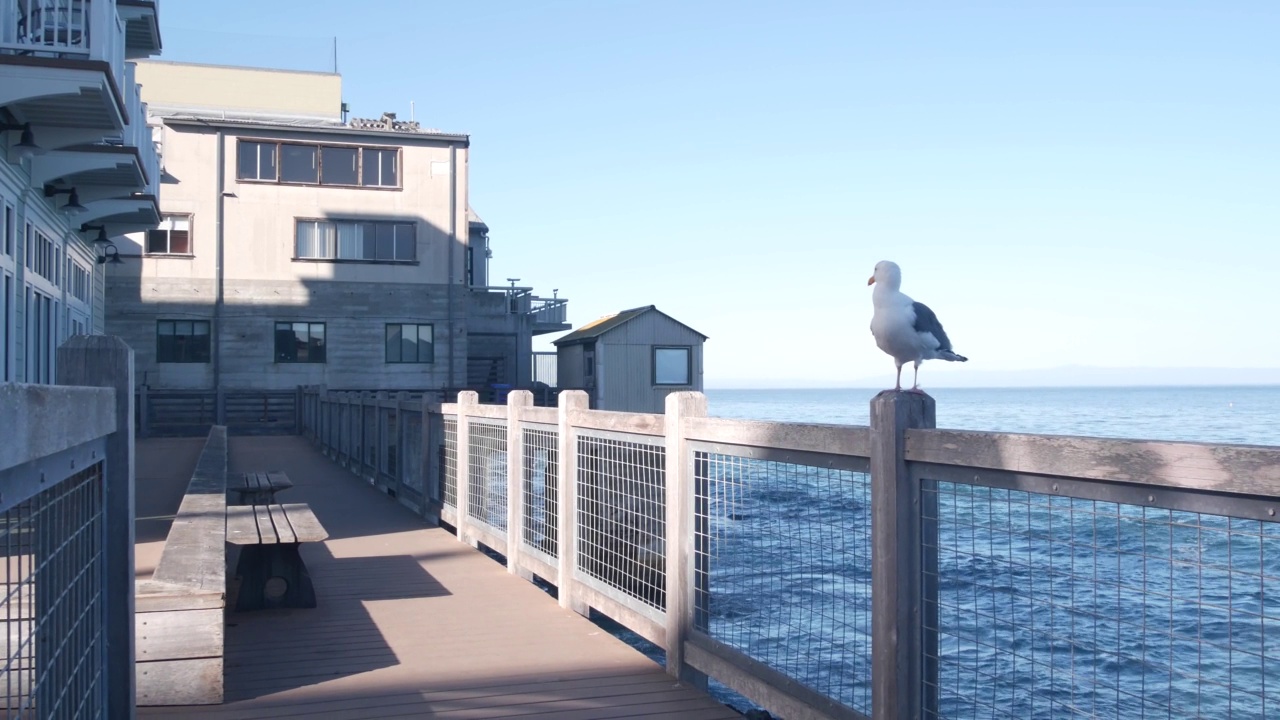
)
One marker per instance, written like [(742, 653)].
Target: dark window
[(298, 164), (410, 343), (299, 342), (171, 237), (9, 227), (672, 365), (356, 240), (339, 165), (379, 168), (257, 161), (182, 341)]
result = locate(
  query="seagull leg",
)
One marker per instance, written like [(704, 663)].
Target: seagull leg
[(898, 384), (915, 386)]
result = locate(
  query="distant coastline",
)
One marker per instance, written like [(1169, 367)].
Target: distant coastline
[(1037, 379)]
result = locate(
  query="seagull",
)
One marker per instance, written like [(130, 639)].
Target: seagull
[(905, 329)]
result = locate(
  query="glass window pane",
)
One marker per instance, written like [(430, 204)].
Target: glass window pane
[(286, 346), (338, 165), (671, 366), (393, 343), (409, 343), (367, 241), (326, 239), (157, 241), (306, 239), (180, 242), (406, 246), (247, 161), (390, 173), (316, 349), (349, 247), (386, 241), (426, 353), (298, 164), (267, 161), (369, 163), (164, 327)]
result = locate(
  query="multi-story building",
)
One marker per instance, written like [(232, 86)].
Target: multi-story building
[(77, 166), (296, 247)]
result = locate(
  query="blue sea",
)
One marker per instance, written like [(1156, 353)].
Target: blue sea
[(1048, 607)]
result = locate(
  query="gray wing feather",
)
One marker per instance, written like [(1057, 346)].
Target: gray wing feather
[(926, 321)]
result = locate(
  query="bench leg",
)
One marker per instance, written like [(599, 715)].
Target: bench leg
[(264, 568)]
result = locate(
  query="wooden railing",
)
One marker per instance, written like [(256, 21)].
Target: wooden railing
[(889, 571)]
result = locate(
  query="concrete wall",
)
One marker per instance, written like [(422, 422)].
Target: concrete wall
[(241, 90)]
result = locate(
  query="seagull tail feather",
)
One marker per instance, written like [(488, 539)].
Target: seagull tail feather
[(951, 356)]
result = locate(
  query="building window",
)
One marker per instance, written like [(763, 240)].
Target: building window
[(299, 342), (257, 161), (363, 240), (182, 341), (410, 343), (10, 227), (299, 164), (307, 164), (672, 365), (171, 237)]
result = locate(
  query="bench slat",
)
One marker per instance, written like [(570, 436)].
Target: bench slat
[(242, 525), (279, 520), (306, 526), (278, 480)]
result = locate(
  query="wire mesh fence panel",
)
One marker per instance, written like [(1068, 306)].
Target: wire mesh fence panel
[(412, 475), (621, 515), (1054, 607), (487, 474), (55, 653), (784, 569), (449, 462), (541, 491)]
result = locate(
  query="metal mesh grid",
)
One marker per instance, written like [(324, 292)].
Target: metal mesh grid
[(55, 651), (412, 475), (541, 490), (449, 463), (621, 516), (487, 473), (783, 559), (1059, 607)]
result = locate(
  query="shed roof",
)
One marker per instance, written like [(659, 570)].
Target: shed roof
[(600, 326)]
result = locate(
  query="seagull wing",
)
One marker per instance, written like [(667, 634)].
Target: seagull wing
[(927, 322)]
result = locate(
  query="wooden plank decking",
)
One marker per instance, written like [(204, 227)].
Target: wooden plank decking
[(412, 623)]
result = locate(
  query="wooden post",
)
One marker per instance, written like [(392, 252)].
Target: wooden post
[(680, 561), (897, 612), (106, 361), (402, 398), (142, 411), (571, 401), (432, 472), (517, 401), (467, 400)]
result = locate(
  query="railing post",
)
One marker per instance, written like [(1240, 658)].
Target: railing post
[(106, 361), (517, 401), (142, 410), (897, 603), (432, 472), (467, 400), (681, 496), (571, 401), (402, 397)]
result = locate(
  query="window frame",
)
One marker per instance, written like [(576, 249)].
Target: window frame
[(311, 325), (319, 147), (386, 342), (195, 357), (332, 240), (688, 372), (168, 218)]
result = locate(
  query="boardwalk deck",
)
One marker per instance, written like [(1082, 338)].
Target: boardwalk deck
[(412, 623)]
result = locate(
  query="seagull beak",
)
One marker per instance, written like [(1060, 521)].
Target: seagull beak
[(871, 280)]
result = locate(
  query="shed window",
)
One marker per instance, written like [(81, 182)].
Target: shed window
[(672, 365)]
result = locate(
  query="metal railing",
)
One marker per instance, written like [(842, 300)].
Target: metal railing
[(65, 481), (885, 571)]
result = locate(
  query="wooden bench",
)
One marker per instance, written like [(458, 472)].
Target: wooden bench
[(272, 574), (258, 488)]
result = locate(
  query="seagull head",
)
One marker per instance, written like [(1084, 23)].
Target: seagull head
[(888, 274)]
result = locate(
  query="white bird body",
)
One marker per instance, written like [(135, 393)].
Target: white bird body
[(906, 330)]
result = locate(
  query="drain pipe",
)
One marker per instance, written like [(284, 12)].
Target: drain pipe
[(453, 240), (216, 339)]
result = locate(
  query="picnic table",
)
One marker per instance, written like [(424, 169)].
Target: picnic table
[(271, 571), (256, 488)]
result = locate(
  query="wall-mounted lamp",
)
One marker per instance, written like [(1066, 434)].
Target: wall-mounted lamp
[(102, 232), (26, 146), (110, 255), (73, 206)]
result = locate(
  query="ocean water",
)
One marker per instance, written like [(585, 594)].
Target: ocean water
[(1048, 607)]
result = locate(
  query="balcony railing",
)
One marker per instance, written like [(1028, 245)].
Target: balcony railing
[(64, 29), (522, 301)]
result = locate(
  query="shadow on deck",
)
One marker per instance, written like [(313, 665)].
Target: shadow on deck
[(412, 623)]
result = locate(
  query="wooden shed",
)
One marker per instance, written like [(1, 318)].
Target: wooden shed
[(630, 361)]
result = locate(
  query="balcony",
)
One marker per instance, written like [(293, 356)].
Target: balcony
[(67, 79), (546, 315)]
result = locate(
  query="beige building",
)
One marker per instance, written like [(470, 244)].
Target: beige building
[(77, 167), (297, 247)]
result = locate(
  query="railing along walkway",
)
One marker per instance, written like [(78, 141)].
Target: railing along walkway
[(412, 623)]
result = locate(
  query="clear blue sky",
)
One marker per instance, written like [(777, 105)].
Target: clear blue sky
[(1092, 183)]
